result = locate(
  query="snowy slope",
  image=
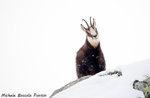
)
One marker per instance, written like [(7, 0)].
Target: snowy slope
[(110, 86)]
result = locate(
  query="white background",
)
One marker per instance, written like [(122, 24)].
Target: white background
[(39, 39)]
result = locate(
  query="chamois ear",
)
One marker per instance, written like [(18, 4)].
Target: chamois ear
[(83, 28)]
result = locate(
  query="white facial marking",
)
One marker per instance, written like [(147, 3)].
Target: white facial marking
[(93, 41), (92, 31)]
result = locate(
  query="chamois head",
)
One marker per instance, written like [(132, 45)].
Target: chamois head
[(91, 32)]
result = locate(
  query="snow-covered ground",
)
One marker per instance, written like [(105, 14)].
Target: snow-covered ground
[(110, 86)]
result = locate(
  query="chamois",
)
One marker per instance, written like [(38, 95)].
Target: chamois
[(90, 59)]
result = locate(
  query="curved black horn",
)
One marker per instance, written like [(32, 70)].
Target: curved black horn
[(90, 21), (86, 23), (94, 23)]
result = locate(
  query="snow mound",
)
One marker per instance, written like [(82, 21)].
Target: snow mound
[(114, 85)]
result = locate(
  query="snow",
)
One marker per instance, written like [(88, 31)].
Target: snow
[(110, 86)]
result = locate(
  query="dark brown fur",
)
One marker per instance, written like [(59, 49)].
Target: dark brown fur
[(89, 60)]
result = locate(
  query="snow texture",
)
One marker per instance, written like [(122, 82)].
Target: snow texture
[(102, 85)]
